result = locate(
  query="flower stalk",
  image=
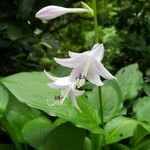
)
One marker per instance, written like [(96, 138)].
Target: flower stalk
[(95, 21), (99, 88)]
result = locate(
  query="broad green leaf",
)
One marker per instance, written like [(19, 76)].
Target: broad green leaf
[(32, 89), (111, 97), (17, 115), (36, 131), (145, 125), (139, 133), (4, 97), (65, 137), (119, 128), (142, 109), (97, 141), (130, 80), (25, 7), (143, 144), (11, 132)]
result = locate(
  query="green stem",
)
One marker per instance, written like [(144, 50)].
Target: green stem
[(101, 107), (95, 21), (100, 93), (101, 115)]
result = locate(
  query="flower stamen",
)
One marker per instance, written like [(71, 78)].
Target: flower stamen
[(80, 80)]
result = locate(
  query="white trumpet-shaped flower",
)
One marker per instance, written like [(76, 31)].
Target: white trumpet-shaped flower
[(68, 89), (87, 65), (52, 11)]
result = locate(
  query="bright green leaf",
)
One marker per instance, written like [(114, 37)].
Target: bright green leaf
[(4, 97), (32, 89), (17, 115), (142, 109), (119, 128), (111, 96), (36, 130), (130, 80)]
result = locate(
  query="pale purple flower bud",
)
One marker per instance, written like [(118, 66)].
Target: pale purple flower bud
[(52, 11)]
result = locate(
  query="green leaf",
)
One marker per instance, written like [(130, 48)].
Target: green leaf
[(17, 115), (11, 132), (143, 144), (4, 97), (57, 123), (142, 109), (119, 146), (36, 131), (87, 144), (130, 80), (139, 133), (25, 7), (65, 137), (146, 89), (111, 96), (32, 89), (119, 128)]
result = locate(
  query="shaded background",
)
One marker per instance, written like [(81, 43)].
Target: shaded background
[(28, 44)]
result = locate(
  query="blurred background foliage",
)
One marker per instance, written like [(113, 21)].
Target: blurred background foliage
[(28, 44)]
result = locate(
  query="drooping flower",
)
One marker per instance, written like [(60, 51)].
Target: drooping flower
[(68, 89), (87, 65), (52, 11)]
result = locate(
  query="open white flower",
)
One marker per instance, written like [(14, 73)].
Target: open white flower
[(52, 11), (87, 65), (68, 89)]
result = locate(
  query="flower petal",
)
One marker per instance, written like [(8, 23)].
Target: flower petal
[(103, 71), (77, 92), (50, 76), (68, 62), (74, 102), (64, 81), (97, 52), (50, 12), (75, 73), (74, 54), (93, 76), (55, 86), (60, 83)]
